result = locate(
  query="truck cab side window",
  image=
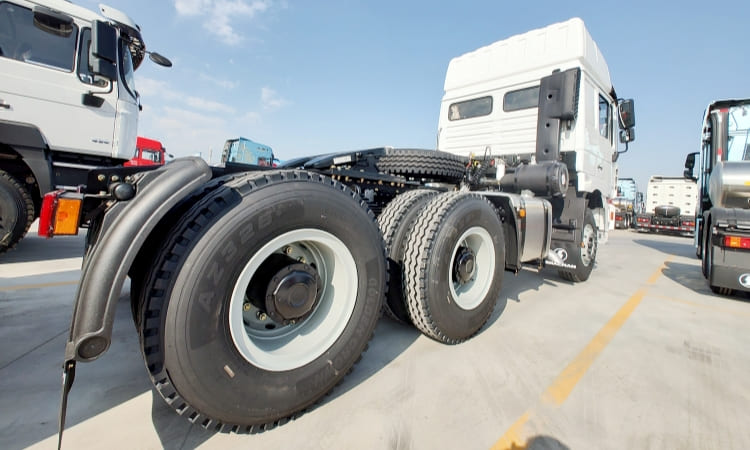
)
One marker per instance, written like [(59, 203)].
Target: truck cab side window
[(21, 40), (604, 115), (84, 71)]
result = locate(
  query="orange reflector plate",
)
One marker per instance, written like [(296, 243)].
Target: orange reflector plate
[(66, 217)]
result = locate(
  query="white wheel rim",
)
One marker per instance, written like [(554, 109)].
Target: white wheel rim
[(286, 347), (471, 294), (588, 247)]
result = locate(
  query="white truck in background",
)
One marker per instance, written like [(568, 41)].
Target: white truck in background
[(68, 101), (670, 206), (492, 108), (255, 290)]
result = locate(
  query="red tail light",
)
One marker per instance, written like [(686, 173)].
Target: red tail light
[(736, 242)]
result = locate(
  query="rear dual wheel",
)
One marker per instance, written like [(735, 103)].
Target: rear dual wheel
[(454, 261), (396, 222), (264, 297)]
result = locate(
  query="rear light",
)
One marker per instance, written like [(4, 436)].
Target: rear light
[(60, 214), (736, 242)]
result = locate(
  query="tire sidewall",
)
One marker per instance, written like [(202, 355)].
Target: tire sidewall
[(197, 337), (395, 295)]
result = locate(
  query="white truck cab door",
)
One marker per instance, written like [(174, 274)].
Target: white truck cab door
[(44, 79)]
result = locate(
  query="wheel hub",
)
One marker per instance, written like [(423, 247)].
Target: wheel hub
[(464, 265), (285, 289), (293, 293)]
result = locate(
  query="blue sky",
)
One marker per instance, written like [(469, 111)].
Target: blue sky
[(310, 77)]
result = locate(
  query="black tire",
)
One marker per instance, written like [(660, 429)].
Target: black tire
[(704, 250), (440, 305), (667, 211), (198, 333), (149, 252), (582, 254), (395, 223), (16, 211), (423, 163)]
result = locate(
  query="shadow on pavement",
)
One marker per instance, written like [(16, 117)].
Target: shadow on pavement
[(32, 248), (690, 276), (540, 443), (175, 432), (670, 247)]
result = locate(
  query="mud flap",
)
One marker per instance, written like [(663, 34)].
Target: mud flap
[(69, 375)]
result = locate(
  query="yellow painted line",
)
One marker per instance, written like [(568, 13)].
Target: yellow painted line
[(563, 385), (708, 307), (23, 287), (513, 437)]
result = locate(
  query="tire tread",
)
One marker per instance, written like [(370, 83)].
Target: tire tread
[(184, 232)]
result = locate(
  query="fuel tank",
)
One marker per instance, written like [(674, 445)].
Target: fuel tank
[(729, 186)]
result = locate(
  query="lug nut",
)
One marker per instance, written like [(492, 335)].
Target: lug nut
[(246, 307), (261, 315), (288, 250)]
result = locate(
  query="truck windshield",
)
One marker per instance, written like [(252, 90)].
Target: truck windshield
[(152, 155), (738, 142), (127, 71)]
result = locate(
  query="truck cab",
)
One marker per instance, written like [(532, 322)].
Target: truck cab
[(246, 151), (542, 107), (148, 152), (62, 68)]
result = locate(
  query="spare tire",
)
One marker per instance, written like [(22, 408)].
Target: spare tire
[(667, 211), (423, 163)]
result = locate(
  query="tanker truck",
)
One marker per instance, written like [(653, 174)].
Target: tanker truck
[(722, 237)]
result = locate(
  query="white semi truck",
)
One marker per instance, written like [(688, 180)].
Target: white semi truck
[(68, 101), (255, 290)]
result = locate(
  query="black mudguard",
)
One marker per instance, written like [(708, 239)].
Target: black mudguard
[(123, 230)]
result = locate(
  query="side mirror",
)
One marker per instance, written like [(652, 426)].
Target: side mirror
[(159, 59), (626, 110), (103, 56), (53, 22), (690, 166), (627, 135)]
